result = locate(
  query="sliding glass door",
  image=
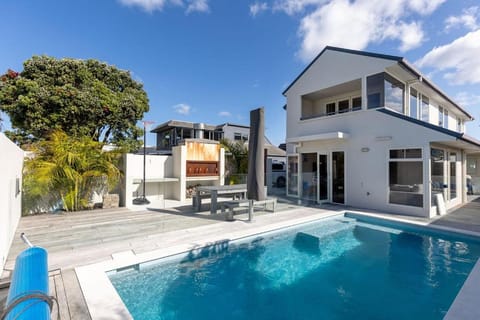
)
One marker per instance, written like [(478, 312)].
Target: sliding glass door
[(338, 177), (292, 176), (322, 177), (309, 176)]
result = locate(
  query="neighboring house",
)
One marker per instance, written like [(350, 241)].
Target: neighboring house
[(172, 132), (11, 163), (368, 130)]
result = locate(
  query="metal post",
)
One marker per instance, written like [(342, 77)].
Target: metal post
[(250, 210), (143, 199), (144, 161)]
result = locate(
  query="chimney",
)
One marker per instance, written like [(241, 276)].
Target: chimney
[(199, 128)]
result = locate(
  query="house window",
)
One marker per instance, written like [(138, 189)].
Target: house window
[(459, 125), (425, 108), (406, 177), (440, 116), (413, 103), (237, 136), (356, 103), (330, 108), (445, 118), (393, 93), (375, 91), (343, 106), (385, 90)]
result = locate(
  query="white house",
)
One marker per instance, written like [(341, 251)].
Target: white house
[(368, 130), (11, 163)]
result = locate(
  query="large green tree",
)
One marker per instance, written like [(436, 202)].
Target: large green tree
[(80, 97)]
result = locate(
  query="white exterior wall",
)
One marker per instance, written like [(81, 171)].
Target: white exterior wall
[(157, 166), (366, 173), (11, 163), (331, 69)]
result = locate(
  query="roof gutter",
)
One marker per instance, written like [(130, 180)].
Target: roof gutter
[(420, 77)]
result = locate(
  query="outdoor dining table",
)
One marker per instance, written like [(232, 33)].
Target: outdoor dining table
[(215, 191)]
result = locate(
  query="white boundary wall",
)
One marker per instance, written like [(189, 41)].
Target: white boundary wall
[(11, 165)]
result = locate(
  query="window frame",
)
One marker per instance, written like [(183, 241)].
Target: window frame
[(405, 159)]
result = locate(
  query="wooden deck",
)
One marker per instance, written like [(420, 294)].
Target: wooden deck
[(83, 238)]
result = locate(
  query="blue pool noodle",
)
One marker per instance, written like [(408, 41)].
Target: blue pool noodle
[(29, 277)]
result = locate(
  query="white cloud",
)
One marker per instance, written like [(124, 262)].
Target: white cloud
[(153, 5), (198, 6), (410, 35), (182, 108), (257, 8), (292, 7), (224, 114), (468, 19), (424, 7), (355, 24), (458, 59), (147, 5), (467, 99)]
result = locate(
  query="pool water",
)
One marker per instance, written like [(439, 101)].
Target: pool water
[(337, 268)]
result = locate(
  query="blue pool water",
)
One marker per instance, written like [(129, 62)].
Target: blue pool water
[(337, 268)]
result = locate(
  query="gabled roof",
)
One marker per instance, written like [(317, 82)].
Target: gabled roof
[(400, 60), (356, 52)]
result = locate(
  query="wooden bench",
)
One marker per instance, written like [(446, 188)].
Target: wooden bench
[(231, 205)]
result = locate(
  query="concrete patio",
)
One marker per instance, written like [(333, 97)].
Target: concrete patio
[(83, 238)]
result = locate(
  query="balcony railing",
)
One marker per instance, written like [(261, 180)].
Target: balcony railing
[(330, 113)]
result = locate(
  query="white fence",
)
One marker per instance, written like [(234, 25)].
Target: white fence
[(11, 164)]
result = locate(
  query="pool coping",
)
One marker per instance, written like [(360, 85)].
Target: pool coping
[(103, 301)]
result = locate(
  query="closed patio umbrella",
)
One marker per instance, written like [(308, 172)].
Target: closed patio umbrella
[(256, 141)]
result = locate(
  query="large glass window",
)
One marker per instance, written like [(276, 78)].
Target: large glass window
[(375, 91), (309, 176), (413, 103), (394, 93), (406, 177), (425, 108), (338, 177), (440, 116), (384, 90)]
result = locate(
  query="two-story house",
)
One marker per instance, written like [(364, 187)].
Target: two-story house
[(370, 131), (171, 132)]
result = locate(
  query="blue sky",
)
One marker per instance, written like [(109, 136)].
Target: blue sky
[(213, 61)]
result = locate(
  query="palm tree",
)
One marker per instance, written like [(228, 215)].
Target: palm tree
[(238, 154), (67, 171)]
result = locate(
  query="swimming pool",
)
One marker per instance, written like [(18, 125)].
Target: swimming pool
[(336, 268)]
